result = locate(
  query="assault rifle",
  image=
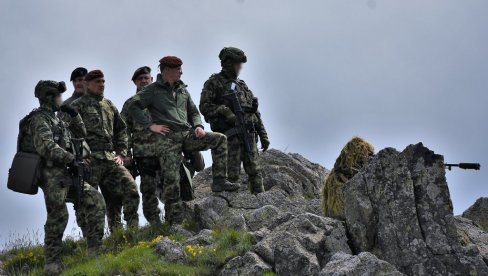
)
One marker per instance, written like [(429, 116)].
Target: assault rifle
[(464, 166), (240, 128), (79, 171)]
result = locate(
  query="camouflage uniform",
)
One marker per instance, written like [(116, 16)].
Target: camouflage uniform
[(173, 106), (107, 137), (49, 137), (219, 112), (141, 142)]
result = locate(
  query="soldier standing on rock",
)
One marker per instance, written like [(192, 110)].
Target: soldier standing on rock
[(142, 151), (176, 120), (43, 133), (107, 138), (219, 112)]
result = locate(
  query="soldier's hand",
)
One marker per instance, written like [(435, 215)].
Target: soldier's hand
[(119, 160), (161, 129), (199, 132), (72, 112), (264, 144)]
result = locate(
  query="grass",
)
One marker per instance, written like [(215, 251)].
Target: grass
[(130, 253)]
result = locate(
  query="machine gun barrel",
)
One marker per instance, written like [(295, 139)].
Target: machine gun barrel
[(464, 166)]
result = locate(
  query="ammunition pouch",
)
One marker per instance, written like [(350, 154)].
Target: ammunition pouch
[(25, 174)]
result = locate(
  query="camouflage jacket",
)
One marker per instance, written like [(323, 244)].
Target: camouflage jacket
[(212, 103), (49, 136), (141, 139), (168, 106), (106, 130)]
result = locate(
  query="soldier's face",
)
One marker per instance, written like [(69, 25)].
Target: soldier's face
[(58, 100), (172, 74), (96, 86), (79, 85), (237, 68), (143, 80)]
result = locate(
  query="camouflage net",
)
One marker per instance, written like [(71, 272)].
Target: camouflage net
[(353, 157)]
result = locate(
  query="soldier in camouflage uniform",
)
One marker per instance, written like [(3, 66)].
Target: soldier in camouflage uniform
[(141, 142), (76, 78), (107, 138), (43, 133), (176, 120), (220, 114)]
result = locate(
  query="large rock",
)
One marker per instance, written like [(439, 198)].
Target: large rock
[(472, 235), (249, 264), (292, 238), (398, 207), (302, 245), (170, 251), (292, 186), (478, 213), (342, 264)]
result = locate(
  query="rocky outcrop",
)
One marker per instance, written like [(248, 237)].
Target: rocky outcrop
[(292, 238), (398, 208), (478, 213)]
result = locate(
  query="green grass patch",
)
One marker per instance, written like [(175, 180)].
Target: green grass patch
[(227, 244), (138, 260)]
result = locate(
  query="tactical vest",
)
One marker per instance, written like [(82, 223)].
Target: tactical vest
[(24, 140)]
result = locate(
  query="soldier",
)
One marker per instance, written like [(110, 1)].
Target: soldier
[(76, 79), (43, 133), (176, 120), (220, 114), (141, 142), (107, 138)]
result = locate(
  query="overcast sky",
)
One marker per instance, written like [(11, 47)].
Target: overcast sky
[(393, 72)]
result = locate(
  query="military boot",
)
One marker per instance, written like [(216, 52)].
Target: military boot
[(53, 268), (222, 184), (256, 184)]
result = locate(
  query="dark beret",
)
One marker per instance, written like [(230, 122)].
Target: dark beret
[(170, 61), (141, 71), (94, 74), (78, 72)]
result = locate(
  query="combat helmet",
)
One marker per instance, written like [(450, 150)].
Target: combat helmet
[(48, 89), (232, 54)]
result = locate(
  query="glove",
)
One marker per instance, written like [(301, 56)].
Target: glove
[(264, 143), (230, 117), (70, 110)]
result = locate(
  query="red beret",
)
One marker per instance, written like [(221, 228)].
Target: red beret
[(170, 61), (94, 74)]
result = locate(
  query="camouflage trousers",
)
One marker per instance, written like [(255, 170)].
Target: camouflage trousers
[(236, 154), (148, 167), (119, 190), (169, 148), (55, 184)]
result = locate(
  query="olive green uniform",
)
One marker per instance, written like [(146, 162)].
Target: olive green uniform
[(107, 137), (172, 106)]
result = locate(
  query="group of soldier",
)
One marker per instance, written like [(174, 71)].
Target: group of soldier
[(158, 128)]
